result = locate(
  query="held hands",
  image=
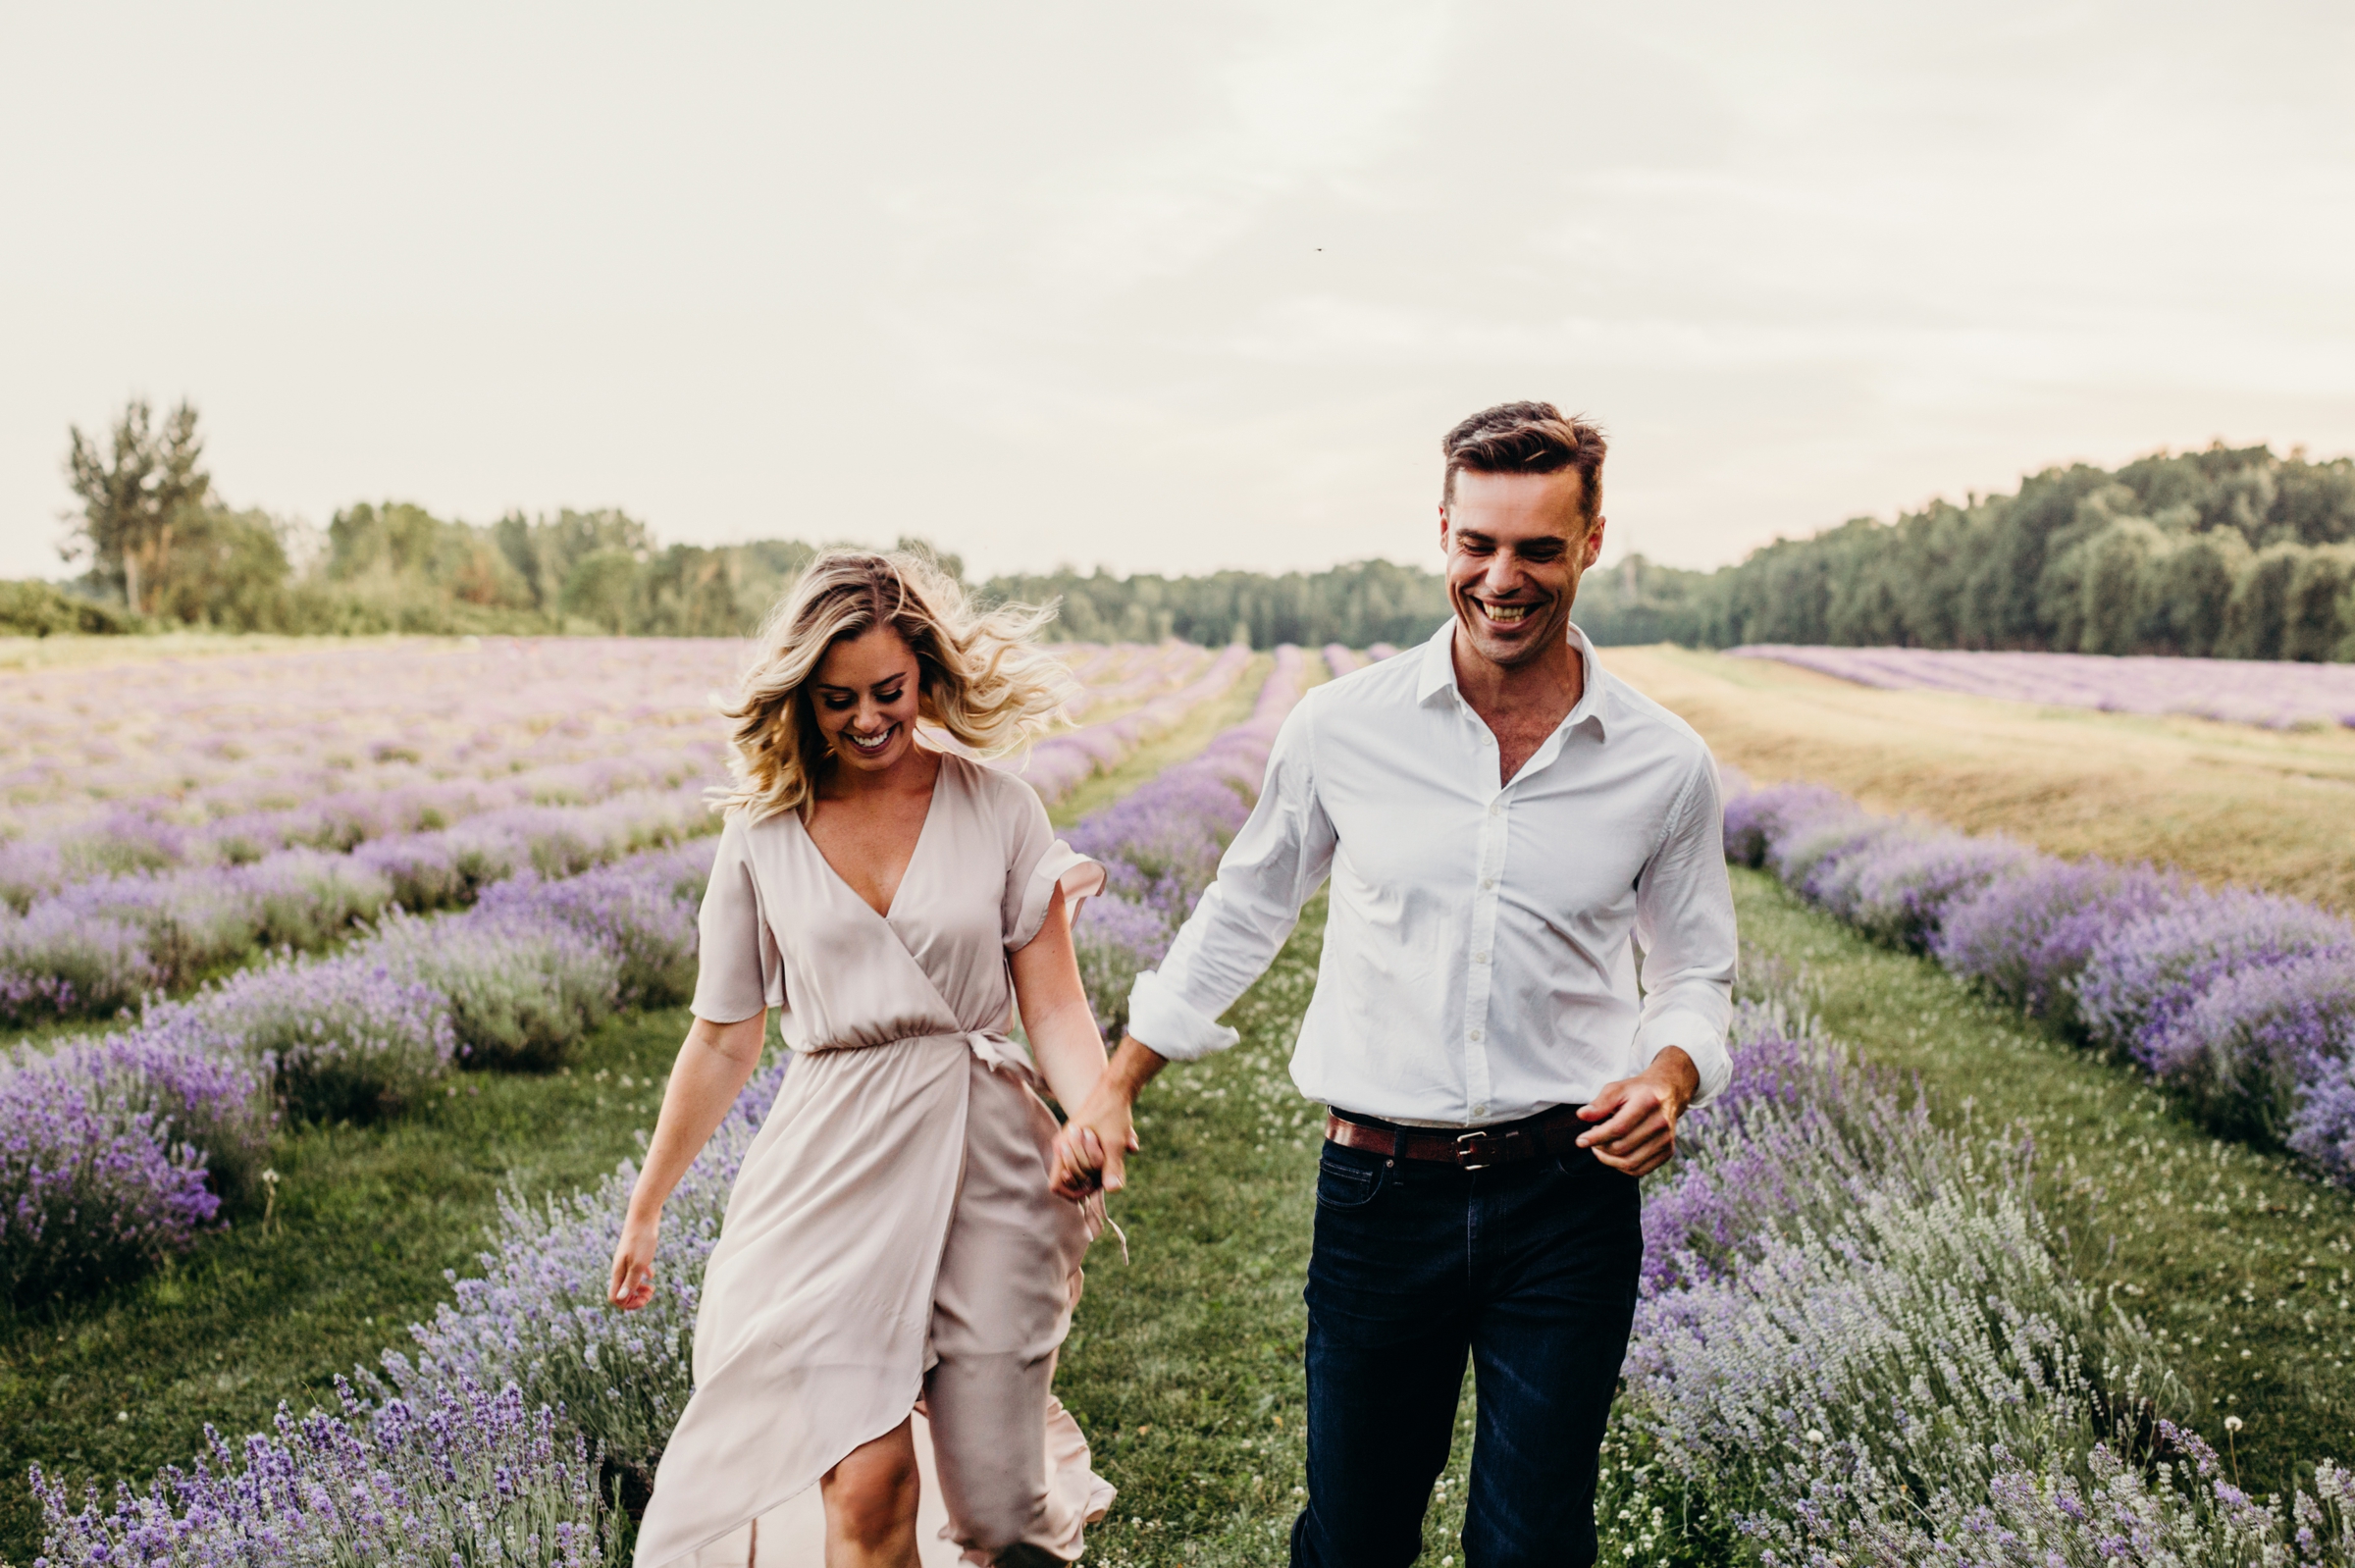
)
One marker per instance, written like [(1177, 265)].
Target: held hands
[(1641, 1134), (633, 1282), (1092, 1150)]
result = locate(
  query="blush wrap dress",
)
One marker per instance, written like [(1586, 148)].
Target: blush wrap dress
[(891, 1236)]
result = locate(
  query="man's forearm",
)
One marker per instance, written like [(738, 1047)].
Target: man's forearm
[(1133, 1065)]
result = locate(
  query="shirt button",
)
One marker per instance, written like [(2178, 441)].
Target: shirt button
[(1479, 957), (1480, 1110), (1488, 884), (1475, 1036), (1498, 810)]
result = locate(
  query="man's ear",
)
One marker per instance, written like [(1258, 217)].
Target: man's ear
[(1443, 527), (1594, 543)]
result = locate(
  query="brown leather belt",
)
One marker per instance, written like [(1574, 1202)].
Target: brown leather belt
[(1507, 1143)]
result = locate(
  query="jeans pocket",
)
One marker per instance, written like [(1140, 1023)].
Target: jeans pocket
[(1346, 1185)]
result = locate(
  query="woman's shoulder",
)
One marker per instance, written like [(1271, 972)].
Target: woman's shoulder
[(1004, 795)]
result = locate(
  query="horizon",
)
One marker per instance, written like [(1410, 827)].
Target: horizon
[(1222, 280)]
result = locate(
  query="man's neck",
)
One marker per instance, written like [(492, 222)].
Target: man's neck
[(1521, 703)]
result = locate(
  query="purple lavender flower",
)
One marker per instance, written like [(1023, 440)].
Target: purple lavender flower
[(2027, 937), (537, 1318), (1755, 819), (2144, 972), (467, 1476), (96, 1183), (346, 1036)]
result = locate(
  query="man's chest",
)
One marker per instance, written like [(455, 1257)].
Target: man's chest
[(1563, 843)]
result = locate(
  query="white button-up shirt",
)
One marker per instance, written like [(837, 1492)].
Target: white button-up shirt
[(1478, 963)]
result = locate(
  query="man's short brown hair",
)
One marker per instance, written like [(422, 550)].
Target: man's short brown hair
[(1528, 439)]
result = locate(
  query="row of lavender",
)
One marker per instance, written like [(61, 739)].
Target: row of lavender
[(1857, 1342), (207, 761), (2242, 1003), (118, 1151), (2277, 693), (89, 944), (222, 760), (96, 946), (535, 1322), (1060, 764)]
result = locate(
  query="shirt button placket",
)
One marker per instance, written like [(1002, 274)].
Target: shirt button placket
[(1478, 1087)]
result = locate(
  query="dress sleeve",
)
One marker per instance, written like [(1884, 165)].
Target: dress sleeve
[(738, 969), (1037, 863)]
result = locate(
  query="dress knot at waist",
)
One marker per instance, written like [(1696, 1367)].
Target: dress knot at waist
[(994, 1047)]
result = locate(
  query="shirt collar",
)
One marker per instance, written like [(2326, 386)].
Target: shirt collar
[(1438, 675)]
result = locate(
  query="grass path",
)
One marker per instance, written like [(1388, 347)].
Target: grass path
[(2248, 1267)]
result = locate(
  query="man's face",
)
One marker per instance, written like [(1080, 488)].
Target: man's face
[(1516, 544)]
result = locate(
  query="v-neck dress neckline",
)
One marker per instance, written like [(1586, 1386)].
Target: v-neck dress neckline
[(916, 851)]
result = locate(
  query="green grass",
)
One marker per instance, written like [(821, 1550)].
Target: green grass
[(2247, 1265), (367, 1217)]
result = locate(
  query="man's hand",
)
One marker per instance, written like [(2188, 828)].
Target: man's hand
[(1095, 1145), (1640, 1135)]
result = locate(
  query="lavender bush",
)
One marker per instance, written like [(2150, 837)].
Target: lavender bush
[(97, 946), (345, 1037), (521, 990), (99, 1176), (2025, 938), (643, 909), (1857, 1344), (466, 1477), (2237, 1001), (537, 1318)]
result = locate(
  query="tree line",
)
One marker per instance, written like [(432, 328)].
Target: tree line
[(2229, 552)]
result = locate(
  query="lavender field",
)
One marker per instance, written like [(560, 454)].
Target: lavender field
[(1873, 1329), (2275, 693)]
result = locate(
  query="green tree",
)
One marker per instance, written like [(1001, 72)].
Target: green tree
[(2311, 625), (136, 496), (601, 587)]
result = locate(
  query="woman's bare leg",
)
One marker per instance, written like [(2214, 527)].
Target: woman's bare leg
[(870, 1503)]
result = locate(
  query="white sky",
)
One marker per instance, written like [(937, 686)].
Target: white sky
[(1166, 286)]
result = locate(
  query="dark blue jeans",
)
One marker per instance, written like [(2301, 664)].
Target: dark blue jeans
[(1529, 1268)]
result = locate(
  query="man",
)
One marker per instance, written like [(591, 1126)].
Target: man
[(1498, 816)]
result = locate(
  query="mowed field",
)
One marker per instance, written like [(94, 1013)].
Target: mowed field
[(2228, 803)]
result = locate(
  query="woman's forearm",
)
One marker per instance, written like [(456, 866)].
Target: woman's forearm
[(714, 1063), (1069, 1051)]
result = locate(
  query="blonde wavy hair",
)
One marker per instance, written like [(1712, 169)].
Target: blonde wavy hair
[(982, 675)]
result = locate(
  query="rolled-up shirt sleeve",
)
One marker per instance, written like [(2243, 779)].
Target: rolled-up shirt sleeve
[(1279, 859), (1685, 925)]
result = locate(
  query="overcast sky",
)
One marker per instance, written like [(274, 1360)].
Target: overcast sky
[(1166, 288)]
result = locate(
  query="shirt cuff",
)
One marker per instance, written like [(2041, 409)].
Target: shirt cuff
[(1170, 1025), (1693, 1034)]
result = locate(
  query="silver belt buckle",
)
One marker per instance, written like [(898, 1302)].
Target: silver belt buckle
[(1472, 1151)]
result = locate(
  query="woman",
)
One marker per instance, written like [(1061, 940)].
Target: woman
[(891, 1237)]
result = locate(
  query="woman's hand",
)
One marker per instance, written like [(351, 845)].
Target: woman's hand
[(1078, 1161), (633, 1282)]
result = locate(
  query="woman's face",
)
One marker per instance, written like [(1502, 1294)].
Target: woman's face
[(864, 695)]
